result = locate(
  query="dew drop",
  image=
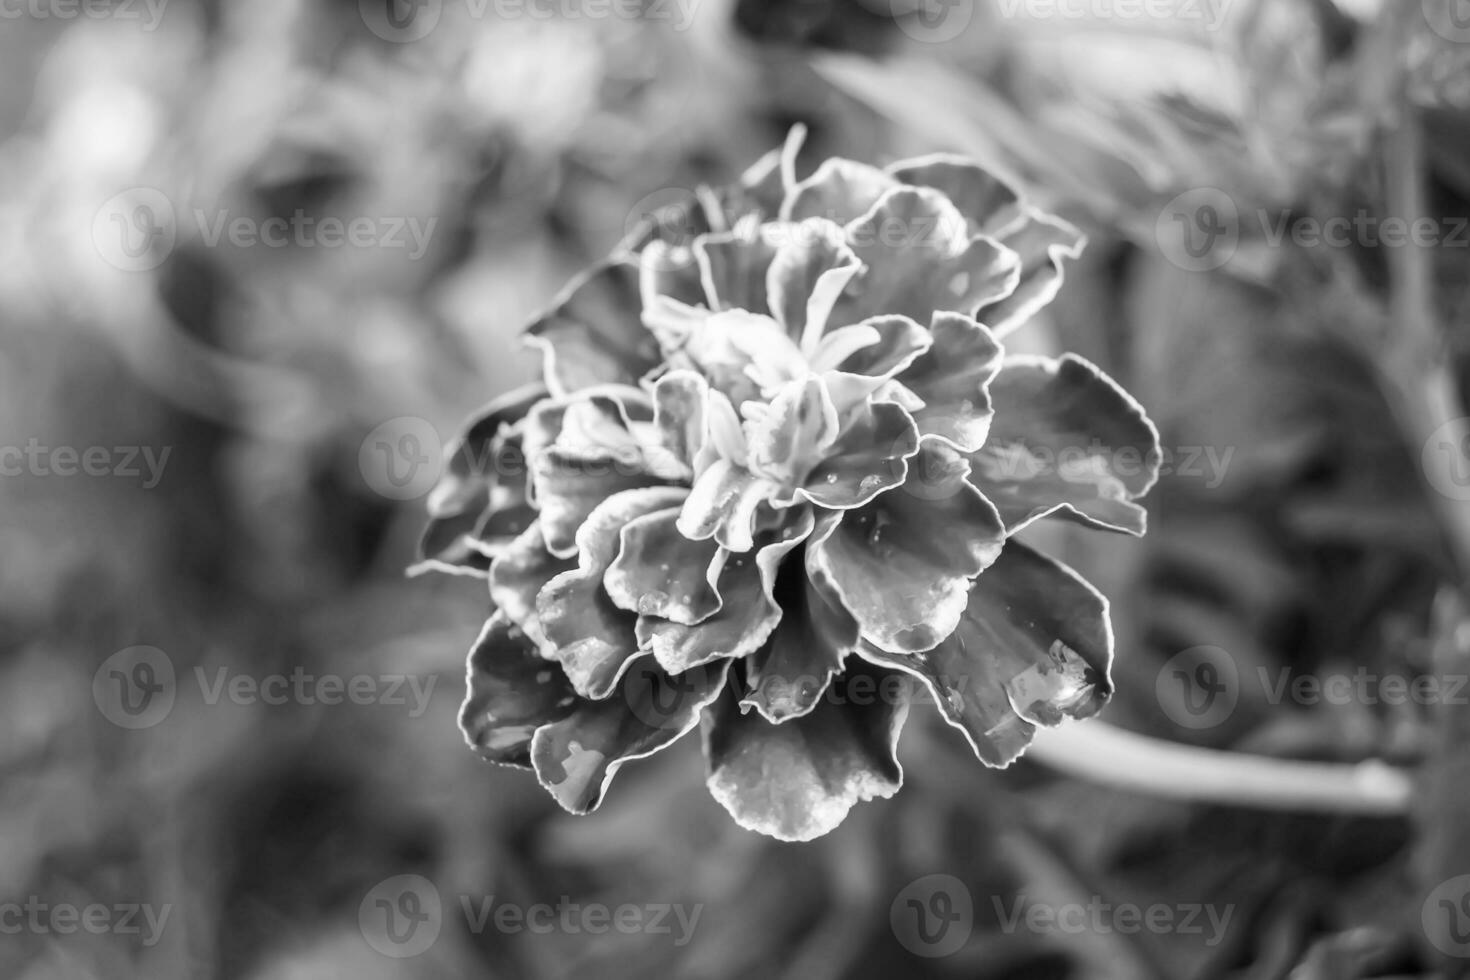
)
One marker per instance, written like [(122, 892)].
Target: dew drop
[(831, 477), (651, 603), (870, 483)]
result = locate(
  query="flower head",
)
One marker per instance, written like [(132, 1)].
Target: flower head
[(769, 481)]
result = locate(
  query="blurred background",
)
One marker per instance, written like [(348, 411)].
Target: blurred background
[(245, 246)]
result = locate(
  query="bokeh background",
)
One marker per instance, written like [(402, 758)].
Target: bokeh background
[(1312, 522)]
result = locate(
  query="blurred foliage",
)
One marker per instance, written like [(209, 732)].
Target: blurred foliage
[(532, 144)]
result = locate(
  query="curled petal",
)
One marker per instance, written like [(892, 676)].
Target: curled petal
[(583, 628), (787, 677), (951, 378), (519, 573), (659, 572), (723, 505), (797, 781), (797, 428), (902, 564), (1044, 243), (483, 475), (570, 485), (1066, 440), (839, 191), (594, 333), (1034, 647), (868, 459), (748, 608), (511, 692), (919, 259), (576, 757), (990, 206)]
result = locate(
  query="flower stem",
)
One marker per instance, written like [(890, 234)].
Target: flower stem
[(1099, 752)]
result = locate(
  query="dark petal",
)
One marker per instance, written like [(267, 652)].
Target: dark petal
[(919, 259), (903, 563), (748, 608), (814, 255), (659, 572), (669, 270), (1067, 440), (990, 206), (787, 677), (511, 692), (594, 333), (576, 757), (951, 377), (797, 781), (476, 463), (1044, 243), (584, 629), (900, 342), (733, 269), (867, 459), (839, 191), (519, 573), (1034, 647)]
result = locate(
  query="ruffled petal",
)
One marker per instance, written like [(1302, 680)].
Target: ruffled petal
[(788, 676), (484, 477), (681, 399), (594, 333), (570, 485), (1034, 647), (990, 205), (583, 628), (733, 269), (868, 459), (902, 564), (519, 573), (659, 572), (748, 608), (896, 344), (1066, 440), (576, 757), (808, 273), (511, 692), (797, 781), (1044, 243), (952, 377), (839, 191), (919, 259)]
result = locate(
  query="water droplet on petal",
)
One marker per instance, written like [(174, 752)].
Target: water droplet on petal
[(652, 603), (831, 477), (870, 483)]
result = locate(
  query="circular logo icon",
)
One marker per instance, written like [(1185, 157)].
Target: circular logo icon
[(933, 916), (401, 459), (135, 688), (1199, 230), (1446, 459), (401, 21), (135, 230), (1199, 687), (1446, 917), (401, 917), (667, 701), (1450, 19), (929, 21)]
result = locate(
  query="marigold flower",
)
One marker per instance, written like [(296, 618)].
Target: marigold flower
[(769, 481)]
